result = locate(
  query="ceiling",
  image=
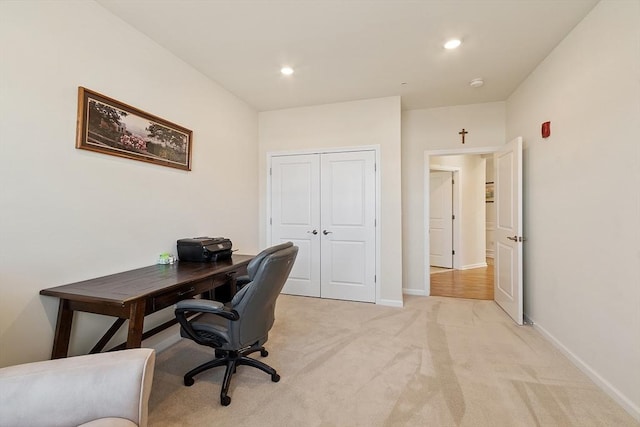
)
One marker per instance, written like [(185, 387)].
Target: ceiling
[(345, 50)]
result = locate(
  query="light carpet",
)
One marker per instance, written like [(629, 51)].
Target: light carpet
[(435, 362)]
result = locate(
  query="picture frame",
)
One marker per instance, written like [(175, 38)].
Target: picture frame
[(489, 192), (108, 126)]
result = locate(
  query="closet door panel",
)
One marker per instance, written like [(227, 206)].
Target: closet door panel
[(347, 204), (295, 215)]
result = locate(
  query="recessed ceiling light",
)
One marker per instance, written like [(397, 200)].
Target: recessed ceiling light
[(452, 44), (287, 71)]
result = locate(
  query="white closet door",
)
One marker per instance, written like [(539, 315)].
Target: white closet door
[(295, 217), (348, 226)]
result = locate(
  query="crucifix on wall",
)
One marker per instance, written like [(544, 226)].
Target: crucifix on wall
[(463, 133)]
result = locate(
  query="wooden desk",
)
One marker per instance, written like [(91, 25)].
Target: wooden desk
[(134, 294)]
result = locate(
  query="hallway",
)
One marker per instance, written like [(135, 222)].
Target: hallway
[(476, 283)]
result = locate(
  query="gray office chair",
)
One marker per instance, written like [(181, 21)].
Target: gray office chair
[(242, 327)]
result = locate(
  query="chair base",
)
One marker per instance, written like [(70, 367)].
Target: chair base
[(232, 359)]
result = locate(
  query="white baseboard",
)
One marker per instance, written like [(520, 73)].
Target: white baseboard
[(418, 292), (605, 385), (163, 340), (166, 343), (470, 266), (390, 302)]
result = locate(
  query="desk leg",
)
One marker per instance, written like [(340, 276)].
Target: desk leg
[(63, 330), (233, 284), (136, 324)]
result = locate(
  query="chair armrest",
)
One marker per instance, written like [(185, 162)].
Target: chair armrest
[(187, 307), (200, 305), (204, 306), (242, 280), (78, 390)]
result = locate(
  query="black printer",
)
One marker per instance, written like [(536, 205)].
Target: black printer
[(204, 249)]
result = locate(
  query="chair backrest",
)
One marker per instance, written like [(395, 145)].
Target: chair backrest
[(252, 268), (256, 302)]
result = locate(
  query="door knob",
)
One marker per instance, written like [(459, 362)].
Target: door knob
[(514, 238), (325, 232), (313, 232)]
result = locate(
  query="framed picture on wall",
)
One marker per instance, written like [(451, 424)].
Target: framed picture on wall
[(112, 127), (489, 187)]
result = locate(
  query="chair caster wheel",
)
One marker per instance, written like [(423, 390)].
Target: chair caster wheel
[(188, 381), (225, 400), (275, 378), (264, 353)]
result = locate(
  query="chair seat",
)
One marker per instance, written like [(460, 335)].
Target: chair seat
[(212, 326)]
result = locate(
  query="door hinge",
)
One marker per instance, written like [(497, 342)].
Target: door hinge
[(375, 167), (375, 222), (453, 217), (375, 278), (270, 221), (453, 252), (270, 171)]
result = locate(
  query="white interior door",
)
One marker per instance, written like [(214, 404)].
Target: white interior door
[(295, 217), (441, 219), (348, 226), (508, 255)]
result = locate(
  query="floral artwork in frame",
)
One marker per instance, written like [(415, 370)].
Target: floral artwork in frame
[(111, 127)]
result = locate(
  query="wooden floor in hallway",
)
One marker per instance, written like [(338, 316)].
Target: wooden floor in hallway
[(475, 283)]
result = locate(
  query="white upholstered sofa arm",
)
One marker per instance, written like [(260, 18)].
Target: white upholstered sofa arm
[(105, 389)]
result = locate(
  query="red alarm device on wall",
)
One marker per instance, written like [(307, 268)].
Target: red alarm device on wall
[(546, 129)]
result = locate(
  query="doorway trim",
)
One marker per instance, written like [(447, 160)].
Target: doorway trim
[(376, 150), (427, 185)]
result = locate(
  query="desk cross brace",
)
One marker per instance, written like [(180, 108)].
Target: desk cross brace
[(116, 326), (107, 336)]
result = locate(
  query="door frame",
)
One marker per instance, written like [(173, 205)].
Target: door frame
[(427, 188), (376, 150)]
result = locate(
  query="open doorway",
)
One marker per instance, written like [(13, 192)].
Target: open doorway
[(508, 283), (471, 274)]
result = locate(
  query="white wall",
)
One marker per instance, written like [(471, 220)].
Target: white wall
[(582, 196), (470, 241), (349, 124), (67, 214), (428, 130)]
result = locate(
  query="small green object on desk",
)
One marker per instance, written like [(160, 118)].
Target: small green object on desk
[(165, 258)]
